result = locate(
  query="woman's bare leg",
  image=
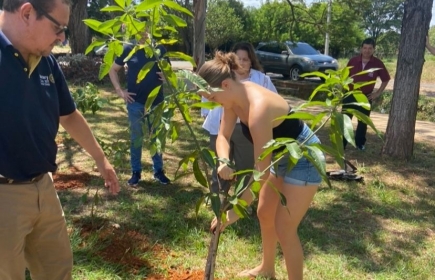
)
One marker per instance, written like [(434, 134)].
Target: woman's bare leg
[(267, 204), (287, 221)]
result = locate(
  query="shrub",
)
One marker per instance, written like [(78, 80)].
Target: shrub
[(425, 109), (81, 69)]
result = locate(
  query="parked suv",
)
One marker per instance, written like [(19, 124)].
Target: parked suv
[(292, 59)]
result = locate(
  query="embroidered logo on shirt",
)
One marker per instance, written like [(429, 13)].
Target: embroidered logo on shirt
[(371, 74), (44, 81), (51, 78)]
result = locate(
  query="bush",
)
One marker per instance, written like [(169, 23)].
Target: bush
[(81, 69), (88, 98), (425, 109)]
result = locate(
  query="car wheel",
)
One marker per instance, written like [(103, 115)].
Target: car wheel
[(295, 71)]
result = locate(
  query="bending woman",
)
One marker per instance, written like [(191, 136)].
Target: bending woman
[(258, 108), (241, 150)]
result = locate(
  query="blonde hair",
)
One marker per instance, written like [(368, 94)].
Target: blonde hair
[(222, 67)]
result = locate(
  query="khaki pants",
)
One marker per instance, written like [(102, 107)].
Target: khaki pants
[(33, 232)]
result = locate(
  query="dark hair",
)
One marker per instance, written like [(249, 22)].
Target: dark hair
[(244, 46), (221, 67), (44, 5), (369, 41)]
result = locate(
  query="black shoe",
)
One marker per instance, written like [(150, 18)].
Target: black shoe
[(161, 178), (361, 147), (134, 180)]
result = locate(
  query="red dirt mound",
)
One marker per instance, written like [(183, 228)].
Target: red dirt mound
[(73, 180)]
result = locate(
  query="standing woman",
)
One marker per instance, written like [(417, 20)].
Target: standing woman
[(241, 149), (258, 109)]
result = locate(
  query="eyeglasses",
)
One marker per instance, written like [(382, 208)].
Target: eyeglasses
[(62, 28)]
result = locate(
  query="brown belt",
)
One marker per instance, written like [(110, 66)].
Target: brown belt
[(7, 181)]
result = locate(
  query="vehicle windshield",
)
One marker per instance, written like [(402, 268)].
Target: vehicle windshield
[(302, 49)]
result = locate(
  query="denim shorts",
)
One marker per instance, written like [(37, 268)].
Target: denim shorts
[(303, 173)]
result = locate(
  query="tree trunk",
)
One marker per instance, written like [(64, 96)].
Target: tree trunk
[(78, 31), (200, 7), (399, 142)]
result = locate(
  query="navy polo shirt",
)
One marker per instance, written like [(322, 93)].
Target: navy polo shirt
[(30, 107), (151, 80)]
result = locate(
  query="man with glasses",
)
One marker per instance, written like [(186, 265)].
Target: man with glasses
[(34, 99)]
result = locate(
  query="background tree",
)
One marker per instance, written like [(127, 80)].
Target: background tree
[(199, 25), (186, 33), (78, 31), (381, 16), (222, 24), (399, 141)]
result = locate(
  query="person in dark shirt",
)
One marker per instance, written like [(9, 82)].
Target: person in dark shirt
[(258, 109), (135, 97), (34, 100), (364, 61)]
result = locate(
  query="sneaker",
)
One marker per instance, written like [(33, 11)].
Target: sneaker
[(361, 148), (161, 177), (134, 180)]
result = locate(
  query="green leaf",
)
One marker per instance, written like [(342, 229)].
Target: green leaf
[(327, 149), (256, 187), (120, 3), (294, 150), (362, 84), (175, 20), (315, 74), (257, 175), (207, 105), (240, 186), (92, 23), (193, 78), (182, 56), (151, 97), (144, 71), (132, 52), (175, 6), (170, 76), (345, 73), (112, 9), (108, 26), (240, 211), (215, 203), (371, 70), (198, 204), (148, 4), (167, 41), (348, 130), (365, 119), (208, 156), (317, 159), (200, 178), (118, 48), (104, 70), (175, 131), (94, 44), (297, 115)]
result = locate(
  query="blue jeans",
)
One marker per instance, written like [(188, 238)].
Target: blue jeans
[(303, 173), (136, 120)]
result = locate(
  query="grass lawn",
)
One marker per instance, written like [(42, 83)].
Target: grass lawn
[(382, 229)]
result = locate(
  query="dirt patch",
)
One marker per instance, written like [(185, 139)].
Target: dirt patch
[(75, 179), (128, 248)]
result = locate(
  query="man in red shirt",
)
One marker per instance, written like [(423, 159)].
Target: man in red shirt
[(359, 63)]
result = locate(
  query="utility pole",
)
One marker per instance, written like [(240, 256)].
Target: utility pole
[(328, 21)]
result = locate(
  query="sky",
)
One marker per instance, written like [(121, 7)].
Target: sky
[(257, 3)]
